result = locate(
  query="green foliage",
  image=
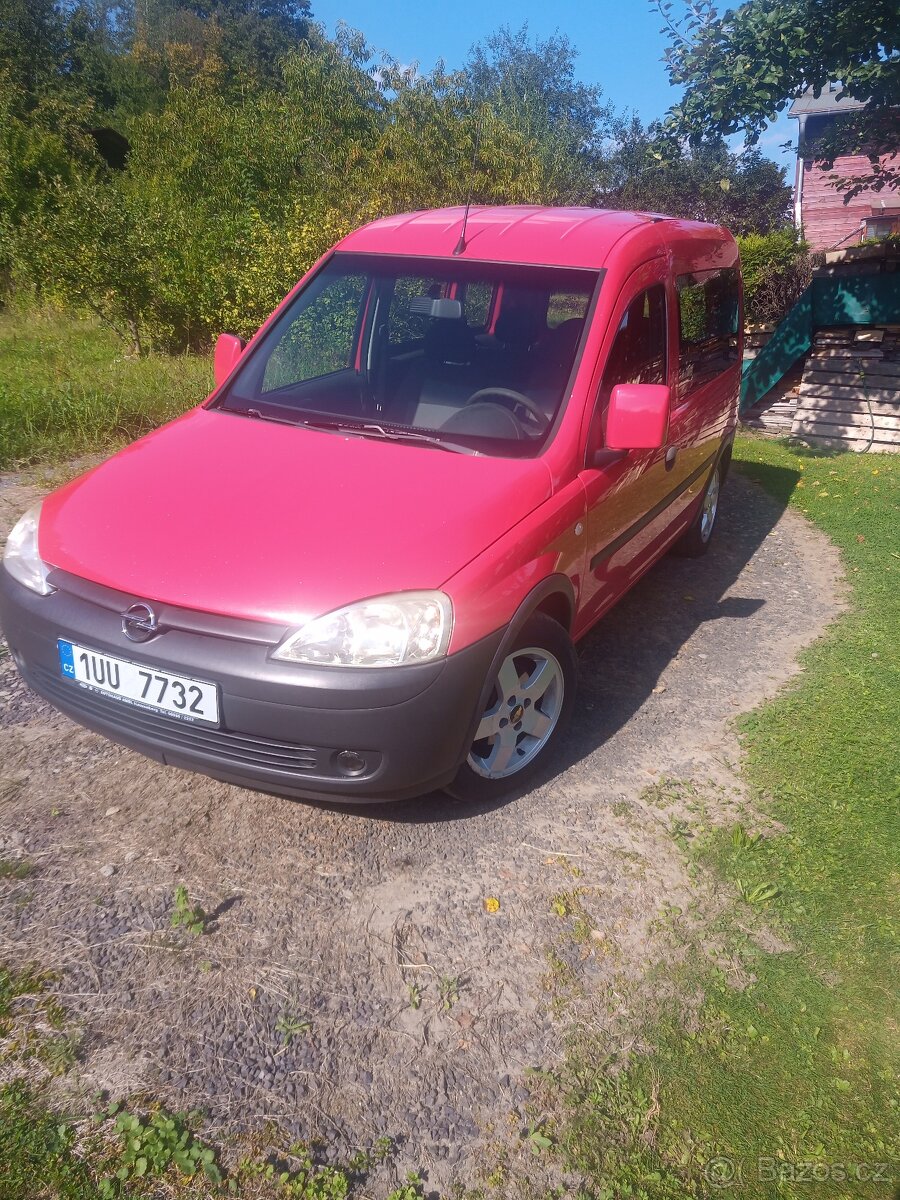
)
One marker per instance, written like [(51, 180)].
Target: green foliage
[(36, 1151), (449, 989), (149, 1146), (290, 1027), (66, 389), (15, 868), (412, 1189), (534, 87), (707, 182), (186, 915), (223, 201), (777, 267), (741, 67)]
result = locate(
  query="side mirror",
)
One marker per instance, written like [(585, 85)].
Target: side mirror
[(229, 348), (638, 417)]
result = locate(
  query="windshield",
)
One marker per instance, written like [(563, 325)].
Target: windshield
[(466, 356)]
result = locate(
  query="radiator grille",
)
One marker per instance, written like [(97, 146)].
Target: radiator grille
[(234, 748)]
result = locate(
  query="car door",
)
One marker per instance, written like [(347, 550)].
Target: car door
[(633, 496)]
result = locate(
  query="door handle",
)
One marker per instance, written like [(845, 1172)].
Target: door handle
[(671, 455)]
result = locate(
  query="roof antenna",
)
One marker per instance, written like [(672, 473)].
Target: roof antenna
[(461, 244)]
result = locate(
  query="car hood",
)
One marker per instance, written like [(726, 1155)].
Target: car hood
[(227, 514)]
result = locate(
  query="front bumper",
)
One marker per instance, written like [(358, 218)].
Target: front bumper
[(281, 724)]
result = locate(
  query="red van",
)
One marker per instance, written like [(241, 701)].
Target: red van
[(358, 570)]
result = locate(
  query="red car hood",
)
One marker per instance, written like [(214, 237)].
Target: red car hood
[(225, 514)]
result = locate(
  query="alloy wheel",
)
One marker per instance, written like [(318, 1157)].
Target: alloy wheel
[(521, 715)]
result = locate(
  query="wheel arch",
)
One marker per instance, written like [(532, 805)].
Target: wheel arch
[(554, 596)]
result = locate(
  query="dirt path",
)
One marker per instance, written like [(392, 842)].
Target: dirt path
[(329, 917)]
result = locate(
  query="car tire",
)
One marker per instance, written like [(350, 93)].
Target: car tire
[(528, 707), (695, 540)]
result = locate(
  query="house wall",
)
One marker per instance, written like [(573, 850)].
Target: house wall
[(825, 218)]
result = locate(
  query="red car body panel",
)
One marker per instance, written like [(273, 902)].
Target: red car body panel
[(246, 515)]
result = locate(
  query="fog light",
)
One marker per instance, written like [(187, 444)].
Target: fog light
[(350, 763)]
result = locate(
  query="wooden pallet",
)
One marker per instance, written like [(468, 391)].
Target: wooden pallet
[(849, 396)]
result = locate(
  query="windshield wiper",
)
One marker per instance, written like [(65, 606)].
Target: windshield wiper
[(410, 435), (258, 416), (362, 430)]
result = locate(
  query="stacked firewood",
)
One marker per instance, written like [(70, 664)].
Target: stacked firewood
[(849, 396)]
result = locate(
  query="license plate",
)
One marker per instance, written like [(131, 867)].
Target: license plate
[(141, 686)]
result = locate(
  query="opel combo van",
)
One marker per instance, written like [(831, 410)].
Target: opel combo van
[(359, 569)]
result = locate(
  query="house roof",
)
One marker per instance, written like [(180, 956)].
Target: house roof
[(827, 102)]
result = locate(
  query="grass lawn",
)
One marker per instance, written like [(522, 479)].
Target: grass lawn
[(787, 1086), (67, 388)]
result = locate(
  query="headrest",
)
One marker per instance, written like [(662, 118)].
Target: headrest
[(449, 341), (558, 345), (516, 327)]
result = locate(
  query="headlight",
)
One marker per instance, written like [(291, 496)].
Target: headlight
[(21, 556), (387, 631)]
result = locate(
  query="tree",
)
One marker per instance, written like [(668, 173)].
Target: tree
[(532, 87), (250, 37), (740, 68), (742, 190), (32, 44)]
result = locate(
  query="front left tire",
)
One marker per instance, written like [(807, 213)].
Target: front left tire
[(529, 705)]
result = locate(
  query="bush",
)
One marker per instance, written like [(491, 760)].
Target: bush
[(777, 267)]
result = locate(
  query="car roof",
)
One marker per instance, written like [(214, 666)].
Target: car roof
[(565, 237)]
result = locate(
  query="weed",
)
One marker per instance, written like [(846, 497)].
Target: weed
[(412, 1189), (36, 1150), (148, 1146), (185, 915), (15, 868), (758, 893), (449, 991), (14, 984), (290, 1027), (59, 1054), (300, 1178), (415, 995), (538, 1138), (742, 842)]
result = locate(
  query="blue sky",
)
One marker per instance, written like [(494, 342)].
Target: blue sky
[(620, 45)]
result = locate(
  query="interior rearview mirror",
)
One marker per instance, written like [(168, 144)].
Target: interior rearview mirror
[(229, 348), (638, 417)]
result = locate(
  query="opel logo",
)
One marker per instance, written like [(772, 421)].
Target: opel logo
[(139, 623)]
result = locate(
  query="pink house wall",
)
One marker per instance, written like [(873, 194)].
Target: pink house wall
[(825, 218)]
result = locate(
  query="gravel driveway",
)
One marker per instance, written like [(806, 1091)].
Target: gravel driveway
[(351, 983)]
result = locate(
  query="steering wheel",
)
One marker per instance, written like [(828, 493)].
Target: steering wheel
[(534, 412)]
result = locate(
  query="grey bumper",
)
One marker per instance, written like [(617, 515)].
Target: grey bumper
[(281, 725)]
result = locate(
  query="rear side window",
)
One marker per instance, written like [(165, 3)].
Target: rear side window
[(477, 303), (563, 306), (320, 340), (708, 311)]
